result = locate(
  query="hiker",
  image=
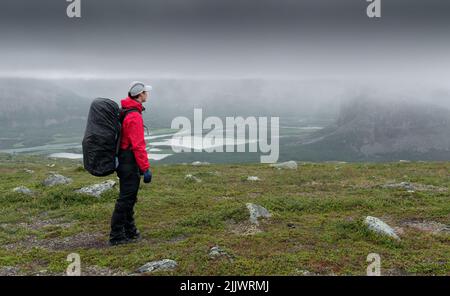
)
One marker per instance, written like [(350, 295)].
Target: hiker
[(133, 163)]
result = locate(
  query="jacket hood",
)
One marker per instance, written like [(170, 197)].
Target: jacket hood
[(129, 103)]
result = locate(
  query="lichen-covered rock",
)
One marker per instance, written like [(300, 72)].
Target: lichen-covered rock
[(192, 178), (164, 264), (291, 165), (97, 189), (257, 211), (216, 252), (23, 190), (56, 179), (378, 226)]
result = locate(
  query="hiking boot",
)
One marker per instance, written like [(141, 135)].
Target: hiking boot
[(117, 242), (136, 236)]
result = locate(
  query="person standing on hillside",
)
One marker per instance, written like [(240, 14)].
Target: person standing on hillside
[(133, 162)]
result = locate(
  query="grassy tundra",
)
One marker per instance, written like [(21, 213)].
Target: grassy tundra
[(316, 225)]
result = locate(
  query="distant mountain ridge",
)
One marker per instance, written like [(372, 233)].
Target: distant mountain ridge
[(35, 111), (371, 129), (38, 103)]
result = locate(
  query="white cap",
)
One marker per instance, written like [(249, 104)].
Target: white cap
[(137, 87)]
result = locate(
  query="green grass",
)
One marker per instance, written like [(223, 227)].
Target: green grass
[(317, 222)]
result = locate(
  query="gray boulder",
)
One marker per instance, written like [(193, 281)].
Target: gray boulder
[(216, 251), (192, 178), (23, 190), (290, 165), (97, 189), (164, 264), (56, 179), (257, 211), (376, 225)]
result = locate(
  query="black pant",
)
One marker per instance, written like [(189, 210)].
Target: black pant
[(122, 221)]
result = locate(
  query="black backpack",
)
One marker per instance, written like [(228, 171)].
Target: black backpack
[(102, 136)]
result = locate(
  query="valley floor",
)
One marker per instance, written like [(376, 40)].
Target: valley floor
[(317, 224)]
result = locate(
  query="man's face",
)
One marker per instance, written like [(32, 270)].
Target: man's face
[(144, 96)]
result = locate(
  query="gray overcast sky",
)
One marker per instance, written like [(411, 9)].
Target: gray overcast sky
[(226, 38)]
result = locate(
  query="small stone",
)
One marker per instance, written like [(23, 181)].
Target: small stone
[(97, 189), (165, 264), (28, 171), (291, 165), (291, 225), (216, 252), (378, 226), (304, 272), (192, 178), (253, 178), (23, 190), (257, 211), (56, 179)]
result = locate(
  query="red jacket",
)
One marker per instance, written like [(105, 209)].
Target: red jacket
[(133, 133)]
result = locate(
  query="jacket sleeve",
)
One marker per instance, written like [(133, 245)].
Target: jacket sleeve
[(138, 145)]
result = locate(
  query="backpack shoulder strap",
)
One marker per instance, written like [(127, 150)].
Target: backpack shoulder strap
[(123, 113)]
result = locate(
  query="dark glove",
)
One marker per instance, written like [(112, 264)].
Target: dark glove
[(147, 176)]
